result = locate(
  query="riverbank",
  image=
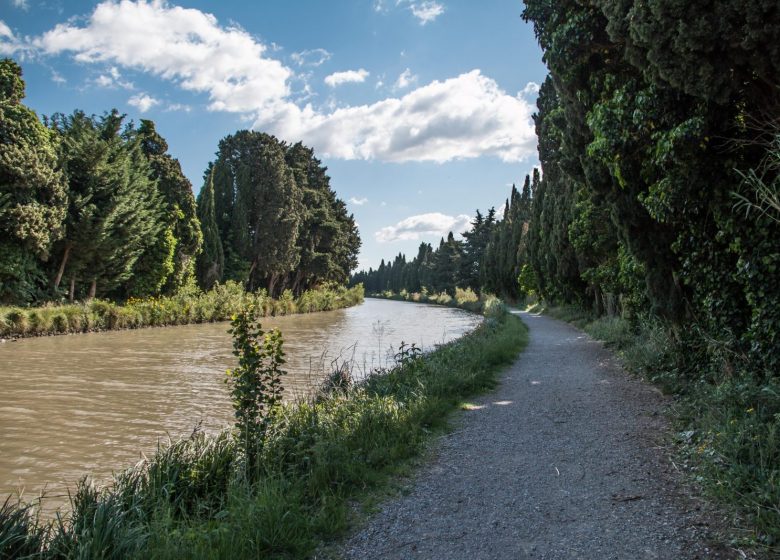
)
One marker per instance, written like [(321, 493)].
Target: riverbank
[(186, 307), (726, 429), (463, 299), (191, 499)]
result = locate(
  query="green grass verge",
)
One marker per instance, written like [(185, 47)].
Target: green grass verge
[(191, 500), (189, 306), (727, 421)]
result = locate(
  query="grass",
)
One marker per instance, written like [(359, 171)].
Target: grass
[(727, 420), (193, 499), (189, 306)]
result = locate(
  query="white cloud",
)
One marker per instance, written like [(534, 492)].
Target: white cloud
[(143, 102), (178, 107), (179, 44), (434, 224), (8, 43), (349, 76), (358, 201), (405, 79), (426, 11), (531, 90), (21, 4), (462, 117), (113, 79), (57, 78), (311, 57)]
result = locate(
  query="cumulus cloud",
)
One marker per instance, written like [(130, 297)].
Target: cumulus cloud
[(311, 57), (405, 80), (462, 117), (349, 76), (179, 44), (427, 11), (434, 224), (21, 4), (143, 102), (358, 201)]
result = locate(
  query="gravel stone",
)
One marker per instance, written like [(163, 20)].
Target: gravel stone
[(564, 460)]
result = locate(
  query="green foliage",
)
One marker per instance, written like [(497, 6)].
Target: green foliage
[(658, 203), (94, 207), (188, 306), (32, 192), (211, 261), (489, 258), (256, 384), (21, 533), (276, 219)]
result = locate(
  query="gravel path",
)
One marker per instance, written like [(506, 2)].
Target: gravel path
[(562, 461)]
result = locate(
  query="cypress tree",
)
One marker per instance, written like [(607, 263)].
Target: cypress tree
[(211, 261)]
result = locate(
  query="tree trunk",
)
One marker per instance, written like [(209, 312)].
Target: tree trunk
[(92, 289), (297, 283), (250, 282), (61, 271), (72, 292), (272, 284)]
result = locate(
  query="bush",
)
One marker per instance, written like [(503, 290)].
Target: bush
[(188, 306)]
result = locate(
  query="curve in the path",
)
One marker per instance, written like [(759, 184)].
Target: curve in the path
[(561, 461)]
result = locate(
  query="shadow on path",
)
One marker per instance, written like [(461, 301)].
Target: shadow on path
[(561, 461)]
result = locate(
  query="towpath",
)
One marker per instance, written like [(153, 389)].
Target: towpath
[(564, 460)]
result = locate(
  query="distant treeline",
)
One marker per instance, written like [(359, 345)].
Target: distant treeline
[(97, 207), (490, 258)]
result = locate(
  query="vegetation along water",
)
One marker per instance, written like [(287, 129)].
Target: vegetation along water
[(214, 496)]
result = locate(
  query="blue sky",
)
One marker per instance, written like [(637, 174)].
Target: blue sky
[(420, 108)]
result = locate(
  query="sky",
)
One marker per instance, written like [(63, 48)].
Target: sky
[(420, 109)]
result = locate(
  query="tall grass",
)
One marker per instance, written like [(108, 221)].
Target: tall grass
[(464, 298), (727, 419), (193, 499), (188, 306)]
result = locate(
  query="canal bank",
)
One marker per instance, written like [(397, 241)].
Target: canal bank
[(114, 394), (188, 501)]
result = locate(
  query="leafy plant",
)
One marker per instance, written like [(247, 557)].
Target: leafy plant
[(256, 384)]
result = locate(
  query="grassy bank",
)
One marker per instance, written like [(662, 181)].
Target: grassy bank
[(194, 498), (727, 420), (464, 299), (189, 306)]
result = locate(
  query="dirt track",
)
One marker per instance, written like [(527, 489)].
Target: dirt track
[(562, 461)]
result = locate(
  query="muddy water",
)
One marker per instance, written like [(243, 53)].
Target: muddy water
[(72, 405)]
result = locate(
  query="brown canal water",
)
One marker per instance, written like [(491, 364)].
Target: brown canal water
[(92, 403)]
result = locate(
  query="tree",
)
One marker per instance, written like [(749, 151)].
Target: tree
[(32, 192), (255, 187), (114, 208), (180, 211), (211, 261)]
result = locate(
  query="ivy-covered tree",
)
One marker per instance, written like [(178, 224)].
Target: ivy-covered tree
[(180, 214), (32, 192)]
